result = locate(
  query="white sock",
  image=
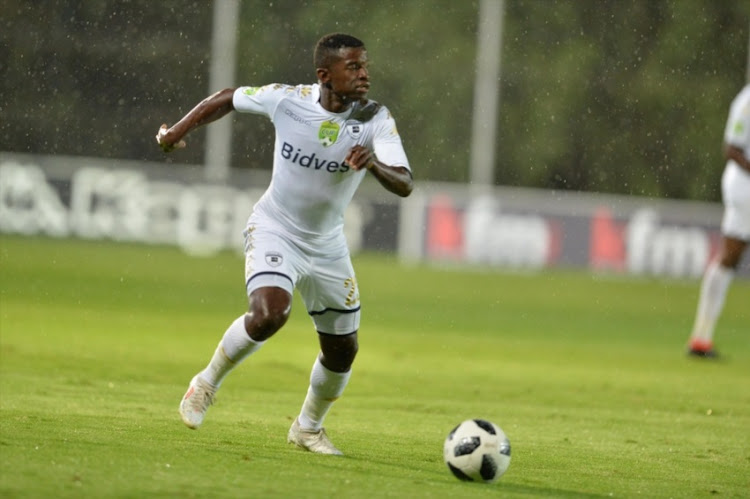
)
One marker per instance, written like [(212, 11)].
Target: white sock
[(325, 387), (234, 347), (714, 288)]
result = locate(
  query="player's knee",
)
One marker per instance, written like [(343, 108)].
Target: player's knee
[(731, 253), (260, 327), (338, 352), (267, 314)]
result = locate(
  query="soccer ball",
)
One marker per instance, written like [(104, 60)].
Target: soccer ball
[(477, 450)]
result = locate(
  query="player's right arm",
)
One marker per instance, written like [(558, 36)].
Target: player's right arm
[(209, 109), (737, 155)]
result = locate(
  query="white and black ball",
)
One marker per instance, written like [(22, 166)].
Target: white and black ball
[(477, 450)]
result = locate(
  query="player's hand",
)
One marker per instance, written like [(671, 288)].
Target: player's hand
[(166, 146), (359, 157)]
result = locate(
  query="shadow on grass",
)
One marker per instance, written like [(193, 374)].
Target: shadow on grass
[(533, 491)]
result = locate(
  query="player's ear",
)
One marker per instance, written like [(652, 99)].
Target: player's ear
[(323, 75)]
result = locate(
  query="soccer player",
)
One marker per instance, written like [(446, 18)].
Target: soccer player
[(328, 137), (735, 226)]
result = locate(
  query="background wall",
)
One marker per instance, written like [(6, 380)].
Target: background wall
[(445, 224)]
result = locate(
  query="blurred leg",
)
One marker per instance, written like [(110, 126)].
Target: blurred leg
[(714, 287)]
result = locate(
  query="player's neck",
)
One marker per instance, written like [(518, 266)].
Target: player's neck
[(335, 104)]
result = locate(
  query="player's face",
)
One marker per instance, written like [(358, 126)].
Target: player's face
[(349, 75)]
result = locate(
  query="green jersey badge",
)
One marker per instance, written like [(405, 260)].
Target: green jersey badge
[(328, 133)]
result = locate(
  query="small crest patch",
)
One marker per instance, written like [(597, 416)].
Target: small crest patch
[(274, 259), (354, 129)]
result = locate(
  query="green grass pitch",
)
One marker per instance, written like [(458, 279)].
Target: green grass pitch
[(586, 374)]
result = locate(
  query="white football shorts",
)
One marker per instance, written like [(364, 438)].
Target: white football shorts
[(735, 191), (327, 285)]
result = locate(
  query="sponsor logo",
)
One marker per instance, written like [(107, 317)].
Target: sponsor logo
[(328, 133), (296, 117), (250, 91), (638, 244), (274, 259), (491, 236), (296, 156), (660, 249)]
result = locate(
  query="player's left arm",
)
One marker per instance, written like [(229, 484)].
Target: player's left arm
[(396, 179)]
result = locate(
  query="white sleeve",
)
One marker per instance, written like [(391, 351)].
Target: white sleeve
[(737, 132), (259, 100), (387, 142)]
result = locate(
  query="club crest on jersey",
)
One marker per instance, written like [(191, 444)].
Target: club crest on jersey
[(328, 133), (354, 129), (274, 259)]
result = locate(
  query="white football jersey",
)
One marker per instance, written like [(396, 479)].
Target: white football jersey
[(735, 181), (737, 132), (311, 185)]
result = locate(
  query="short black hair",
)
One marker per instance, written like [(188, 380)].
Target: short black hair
[(326, 50)]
